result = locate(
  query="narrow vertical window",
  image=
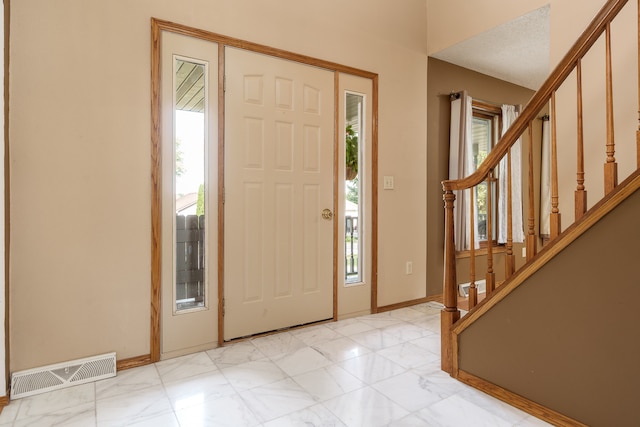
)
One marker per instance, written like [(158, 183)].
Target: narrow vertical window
[(353, 227), (485, 127), (481, 147), (189, 182)]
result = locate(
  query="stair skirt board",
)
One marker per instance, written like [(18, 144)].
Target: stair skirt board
[(463, 288), (517, 401), (61, 375)]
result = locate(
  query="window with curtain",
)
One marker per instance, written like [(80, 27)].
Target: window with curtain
[(476, 127)]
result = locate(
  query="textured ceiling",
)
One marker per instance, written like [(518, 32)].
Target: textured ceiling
[(517, 51)]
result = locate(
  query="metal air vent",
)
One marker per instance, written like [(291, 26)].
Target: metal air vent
[(53, 377)]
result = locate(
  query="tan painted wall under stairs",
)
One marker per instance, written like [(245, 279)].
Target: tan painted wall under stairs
[(567, 337)]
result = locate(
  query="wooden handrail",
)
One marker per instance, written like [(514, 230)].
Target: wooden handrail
[(485, 173), (541, 97)]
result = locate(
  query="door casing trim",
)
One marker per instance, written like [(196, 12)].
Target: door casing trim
[(159, 25)]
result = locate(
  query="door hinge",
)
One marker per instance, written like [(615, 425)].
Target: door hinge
[(224, 306), (224, 83), (224, 193)]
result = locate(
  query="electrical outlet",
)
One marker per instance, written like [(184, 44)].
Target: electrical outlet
[(388, 183), (524, 252), (409, 267)]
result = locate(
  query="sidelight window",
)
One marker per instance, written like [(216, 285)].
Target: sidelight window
[(353, 187), (189, 183)]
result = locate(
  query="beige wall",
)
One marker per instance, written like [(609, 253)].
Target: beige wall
[(452, 21), (80, 147), (568, 21), (444, 78)]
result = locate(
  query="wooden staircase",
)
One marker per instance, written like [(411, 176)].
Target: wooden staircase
[(584, 218)]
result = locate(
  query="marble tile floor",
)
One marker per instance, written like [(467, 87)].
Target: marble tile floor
[(376, 370)]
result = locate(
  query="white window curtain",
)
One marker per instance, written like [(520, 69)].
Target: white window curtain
[(545, 180), (509, 115), (461, 166)]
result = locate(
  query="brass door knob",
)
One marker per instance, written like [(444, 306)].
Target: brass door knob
[(327, 214)]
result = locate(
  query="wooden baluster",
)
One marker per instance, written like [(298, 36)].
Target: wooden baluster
[(580, 194), (473, 289), (610, 167), (555, 212), (450, 313), (638, 131), (510, 261), (531, 233), (491, 277)]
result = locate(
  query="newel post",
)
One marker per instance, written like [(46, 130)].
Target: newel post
[(450, 313)]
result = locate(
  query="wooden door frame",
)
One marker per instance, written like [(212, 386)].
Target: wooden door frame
[(157, 26), (4, 400)]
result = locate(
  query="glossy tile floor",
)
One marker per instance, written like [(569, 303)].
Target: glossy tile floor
[(377, 370)]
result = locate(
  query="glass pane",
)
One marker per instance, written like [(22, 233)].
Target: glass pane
[(190, 164), (481, 140), (481, 210), (353, 211), (482, 134)]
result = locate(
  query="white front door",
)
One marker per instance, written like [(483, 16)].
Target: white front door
[(279, 150)]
